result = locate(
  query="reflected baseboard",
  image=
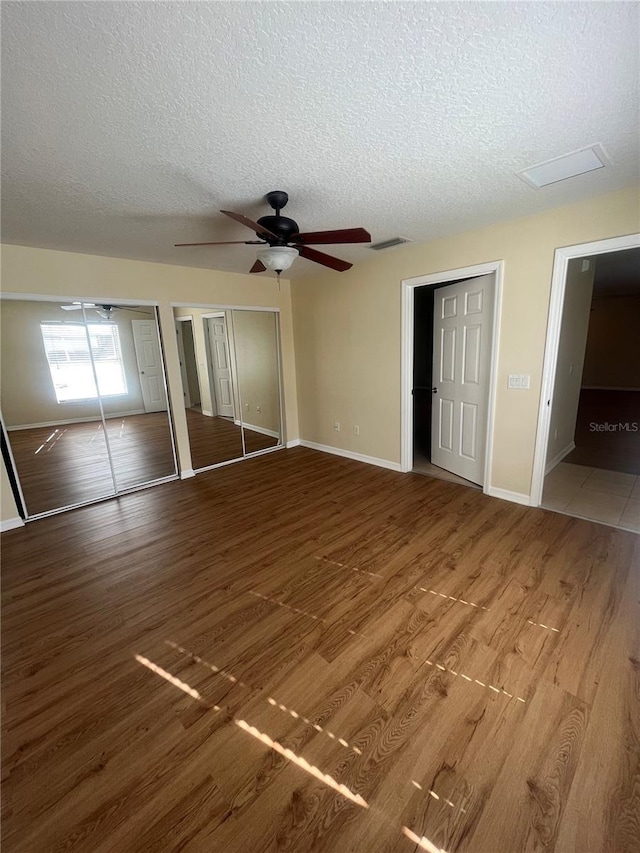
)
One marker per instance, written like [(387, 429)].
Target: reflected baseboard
[(88, 420), (262, 430)]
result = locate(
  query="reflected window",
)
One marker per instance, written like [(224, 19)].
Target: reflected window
[(67, 349)]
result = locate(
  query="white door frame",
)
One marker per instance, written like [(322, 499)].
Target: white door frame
[(406, 409), (556, 303)]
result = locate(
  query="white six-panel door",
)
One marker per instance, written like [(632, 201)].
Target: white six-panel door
[(219, 347), (147, 346), (462, 329)]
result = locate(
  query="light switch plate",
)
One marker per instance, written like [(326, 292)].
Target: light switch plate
[(521, 381)]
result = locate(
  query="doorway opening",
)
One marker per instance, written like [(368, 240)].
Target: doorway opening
[(450, 330), (222, 384), (592, 461)]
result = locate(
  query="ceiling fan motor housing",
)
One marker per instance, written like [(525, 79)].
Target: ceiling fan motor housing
[(282, 226)]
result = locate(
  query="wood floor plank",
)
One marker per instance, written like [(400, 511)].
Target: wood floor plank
[(305, 653)]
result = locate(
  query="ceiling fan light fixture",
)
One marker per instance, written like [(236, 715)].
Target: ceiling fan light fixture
[(277, 258)]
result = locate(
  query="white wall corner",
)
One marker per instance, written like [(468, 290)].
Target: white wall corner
[(348, 454), (506, 495), (188, 472), (295, 442), (11, 524), (551, 464)]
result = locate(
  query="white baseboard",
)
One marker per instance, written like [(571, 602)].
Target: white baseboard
[(96, 417), (207, 413), (506, 495), (10, 524), (551, 464), (295, 442), (349, 454), (189, 472), (270, 432)]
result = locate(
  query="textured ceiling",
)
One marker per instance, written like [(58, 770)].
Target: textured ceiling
[(126, 126)]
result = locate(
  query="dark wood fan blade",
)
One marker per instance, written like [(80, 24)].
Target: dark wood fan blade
[(258, 267), (224, 243), (342, 235), (243, 220), (325, 260)]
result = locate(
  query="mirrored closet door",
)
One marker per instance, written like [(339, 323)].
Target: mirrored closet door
[(84, 400), (256, 347), (230, 367)]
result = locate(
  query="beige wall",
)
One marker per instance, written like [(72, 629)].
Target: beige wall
[(66, 274), (347, 330), (571, 349), (613, 345), (28, 396), (257, 360)]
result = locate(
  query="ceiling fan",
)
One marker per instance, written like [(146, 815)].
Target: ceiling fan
[(283, 240), (104, 311)]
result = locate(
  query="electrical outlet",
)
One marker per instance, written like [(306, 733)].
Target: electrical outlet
[(246, 405), (356, 430), (336, 426), (258, 409), (519, 381)]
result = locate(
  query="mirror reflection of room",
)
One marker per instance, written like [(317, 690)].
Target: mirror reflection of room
[(83, 400), (256, 346), (230, 378)]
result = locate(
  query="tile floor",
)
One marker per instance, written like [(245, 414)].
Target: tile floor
[(421, 465), (606, 496)]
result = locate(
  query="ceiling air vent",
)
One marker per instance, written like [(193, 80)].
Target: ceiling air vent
[(388, 244)]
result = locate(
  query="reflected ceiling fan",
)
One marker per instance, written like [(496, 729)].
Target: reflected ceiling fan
[(105, 310), (283, 241)]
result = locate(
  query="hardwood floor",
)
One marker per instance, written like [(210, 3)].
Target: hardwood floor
[(68, 464), (65, 465), (308, 653), (214, 440), (613, 448)]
